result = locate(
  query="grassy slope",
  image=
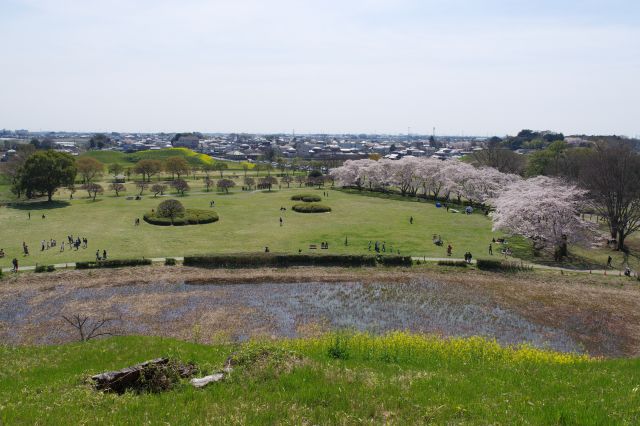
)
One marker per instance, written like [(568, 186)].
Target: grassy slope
[(249, 221), (194, 158), (397, 379)]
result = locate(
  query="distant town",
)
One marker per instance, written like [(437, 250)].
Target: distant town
[(257, 147)]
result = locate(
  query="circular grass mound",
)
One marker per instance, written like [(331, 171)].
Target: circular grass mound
[(307, 198), (189, 217), (311, 208)]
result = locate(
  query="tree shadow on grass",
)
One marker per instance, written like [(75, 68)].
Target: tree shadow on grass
[(523, 249), (39, 205)]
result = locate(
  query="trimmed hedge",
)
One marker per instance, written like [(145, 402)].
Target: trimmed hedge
[(395, 260), (44, 268), (311, 208), (501, 266), (259, 260), (191, 217), (458, 263), (170, 261), (307, 198), (112, 263)]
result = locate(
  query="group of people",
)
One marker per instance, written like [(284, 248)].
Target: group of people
[(468, 257), (46, 245), (76, 243), (437, 240), (104, 255), (380, 247)]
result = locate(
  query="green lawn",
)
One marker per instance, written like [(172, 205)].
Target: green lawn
[(396, 379), (129, 159), (249, 221)]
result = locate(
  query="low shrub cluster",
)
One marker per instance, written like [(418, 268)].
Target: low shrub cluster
[(501, 266), (459, 263), (251, 260), (311, 208), (112, 263), (170, 261), (395, 260), (44, 268), (190, 217), (307, 198)]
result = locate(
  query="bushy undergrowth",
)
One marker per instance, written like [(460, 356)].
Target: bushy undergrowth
[(501, 266), (311, 208), (307, 198), (190, 217), (112, 263), (170, 261)]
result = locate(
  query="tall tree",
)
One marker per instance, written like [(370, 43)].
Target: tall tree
[(46, 171), (544, 210), (499, 157), (11, 168), (148, 168), (220, 166), (176, 166), (611, 173), (115, 169), (89, 168)]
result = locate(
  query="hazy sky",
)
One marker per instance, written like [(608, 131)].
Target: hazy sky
[(473, 66)]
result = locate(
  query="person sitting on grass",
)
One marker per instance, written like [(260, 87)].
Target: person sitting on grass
[(449, 250), (1, 253)]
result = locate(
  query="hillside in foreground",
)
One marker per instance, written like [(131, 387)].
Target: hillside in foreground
[(333, 379)]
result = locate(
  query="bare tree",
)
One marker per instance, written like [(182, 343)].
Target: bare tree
[(158, 188), (88, 328), (611, 173), (286, 179), (117, 188), (499, 157), (142, 185)]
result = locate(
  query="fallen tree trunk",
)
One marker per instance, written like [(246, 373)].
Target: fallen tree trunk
[(154, 375)]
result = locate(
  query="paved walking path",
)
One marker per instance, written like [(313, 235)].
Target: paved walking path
[(612, 272)]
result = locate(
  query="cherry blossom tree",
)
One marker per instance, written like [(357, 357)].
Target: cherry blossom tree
[(545, 210)]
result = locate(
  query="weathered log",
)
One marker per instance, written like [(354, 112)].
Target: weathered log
[(121, 380)]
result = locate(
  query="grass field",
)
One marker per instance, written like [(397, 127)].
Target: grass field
[(334, 379), (249, 222), (129, 159)]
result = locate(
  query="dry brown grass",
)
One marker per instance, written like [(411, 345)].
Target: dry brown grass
[(601, 313)]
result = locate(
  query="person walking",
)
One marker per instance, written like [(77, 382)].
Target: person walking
[(281, 221), (97, 254), (490, 249), (14, 262), (62, 247), (609, 260), (411, 220), (449, 249), (29, 213), (104, 255)]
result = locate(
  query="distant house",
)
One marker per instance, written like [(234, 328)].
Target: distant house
[(236, 155), (187, 141)]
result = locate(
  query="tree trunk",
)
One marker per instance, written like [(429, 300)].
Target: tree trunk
[(620, 242)]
